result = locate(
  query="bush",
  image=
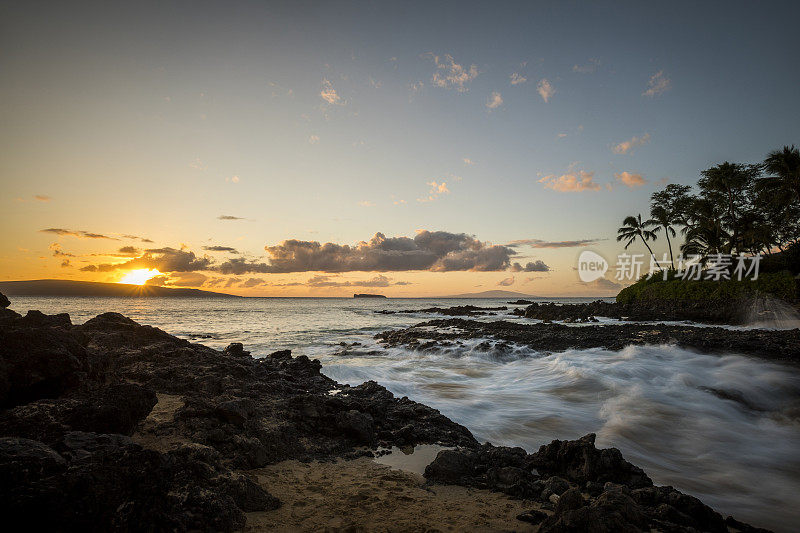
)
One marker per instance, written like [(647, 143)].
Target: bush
[(780, 284)]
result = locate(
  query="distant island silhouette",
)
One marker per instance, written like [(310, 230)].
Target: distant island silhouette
[(367, 295), (63, 287)]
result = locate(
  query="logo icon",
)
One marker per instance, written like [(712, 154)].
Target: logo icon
[(591, 266)]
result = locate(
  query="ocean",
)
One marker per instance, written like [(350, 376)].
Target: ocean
[(651, 402)]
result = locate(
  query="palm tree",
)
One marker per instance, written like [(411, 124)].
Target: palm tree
[(784, 165), (633, 227), (705, 232), (726, 185), (663, 219)]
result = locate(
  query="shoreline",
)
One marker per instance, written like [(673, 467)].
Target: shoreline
[(206, 424)]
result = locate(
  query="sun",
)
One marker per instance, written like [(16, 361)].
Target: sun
[(139, 276)]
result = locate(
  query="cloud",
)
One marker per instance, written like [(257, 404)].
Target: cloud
[(366, 203), (179, 279), (506, 282), (162, 259), (57, 252), (229, 217), (630, 180), (220, 249), (536, 266), (42, 198), (232, 179), (136, 238), (377, 281), (573, 181), (329, 94), (517, 78), (494, 101), (240, 265), (252, 282), (129, 250), (451, 75), (77, 233), (587, 68), (435, 251), (313, 139), (437, 189), (657, 84), (538, 243), (197, 164), (545, 90), (468, 161), (626, 147), (65, 263)]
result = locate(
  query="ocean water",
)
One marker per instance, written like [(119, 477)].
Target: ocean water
[(723, 428)]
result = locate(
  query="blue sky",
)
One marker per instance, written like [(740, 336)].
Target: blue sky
[(329, 122)]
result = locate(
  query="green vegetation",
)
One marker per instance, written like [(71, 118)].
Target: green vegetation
[(780, 284)]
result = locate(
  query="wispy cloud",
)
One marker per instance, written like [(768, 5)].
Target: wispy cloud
[(545, 90), (626, 147), (468, 161), (658, 83), (436, 190), (232, 179), (587, 68), (229, 217), (313, 139), (495, 100), (506, 282), (330, 281), (77, 233), (366, 203), (572, 181), (630, 180), (227, 249), (329, 94), (451, 75), (517, 78), (42, 198), (539, 243)]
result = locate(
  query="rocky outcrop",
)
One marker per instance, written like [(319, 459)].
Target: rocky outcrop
[(710, 311), (458, 310), (72, 397), (96, 482), (581, 488), (439, 334)]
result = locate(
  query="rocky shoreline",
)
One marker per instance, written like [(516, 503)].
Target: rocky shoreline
[(438, 334), (112, 425)]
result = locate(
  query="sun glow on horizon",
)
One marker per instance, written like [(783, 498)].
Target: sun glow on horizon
[(139, 276)]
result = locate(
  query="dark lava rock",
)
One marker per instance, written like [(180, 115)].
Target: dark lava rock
[(39, 362), (96, 482), (580, 461), (622, 497), (769, 344), (4, 301), (236, 349), (729, 311), (458, 310), (113, 409)]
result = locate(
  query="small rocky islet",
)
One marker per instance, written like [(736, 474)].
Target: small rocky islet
[(113, 425)]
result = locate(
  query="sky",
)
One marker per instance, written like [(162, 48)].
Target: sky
[(407, 148)]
